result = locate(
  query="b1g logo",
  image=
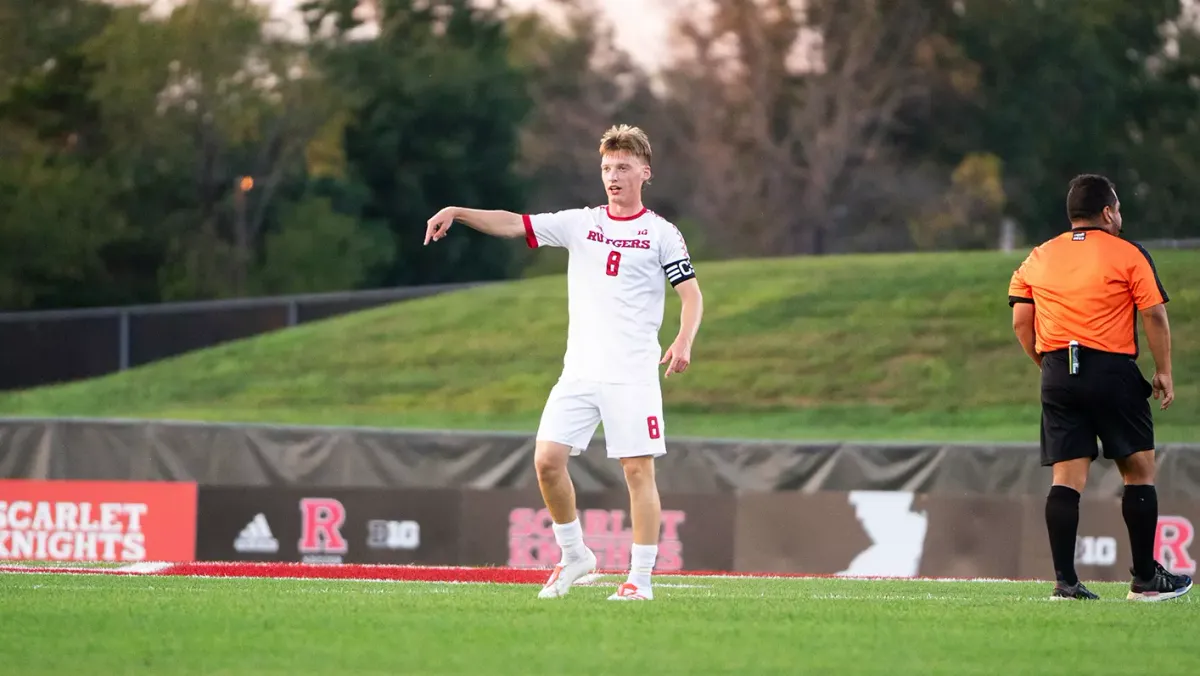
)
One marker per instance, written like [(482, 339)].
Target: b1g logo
[(383, 534), (1171, 542), (1096, 551), (321, 538)]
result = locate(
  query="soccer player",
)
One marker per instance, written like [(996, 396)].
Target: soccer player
[(1075, 301), (620, 258)]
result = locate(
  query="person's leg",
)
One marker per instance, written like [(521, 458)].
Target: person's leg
[(1127, 432), (568, 422), (558, 492), (1068, 447), (645, 511), (634, 432), (1062, 516), (1139, 506)]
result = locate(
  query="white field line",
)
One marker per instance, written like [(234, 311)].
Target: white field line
[(73, 570), (856, 578), (158, 567), (415, 588), (145, 567), (604, 580)]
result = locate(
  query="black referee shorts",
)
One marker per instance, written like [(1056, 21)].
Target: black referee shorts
[(1108, 399)]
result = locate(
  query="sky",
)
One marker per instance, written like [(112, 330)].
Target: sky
[(641, 25)]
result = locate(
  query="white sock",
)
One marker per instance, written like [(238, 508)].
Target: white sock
[(569, 537), (641, 564)]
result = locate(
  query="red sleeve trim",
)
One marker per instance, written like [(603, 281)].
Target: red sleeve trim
[(530, 237)]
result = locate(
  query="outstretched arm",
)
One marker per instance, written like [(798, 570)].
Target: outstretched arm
[(496, 223), (679, 355)]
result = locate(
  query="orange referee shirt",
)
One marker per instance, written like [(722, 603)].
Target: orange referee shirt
[(1087, 285)]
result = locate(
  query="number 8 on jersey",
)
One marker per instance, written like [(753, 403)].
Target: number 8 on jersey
[(614, 263)]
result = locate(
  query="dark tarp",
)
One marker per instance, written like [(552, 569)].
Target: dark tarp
[(264, 455)]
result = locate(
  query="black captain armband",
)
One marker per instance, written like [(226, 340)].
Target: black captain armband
[(1013, 300), (679, 271)]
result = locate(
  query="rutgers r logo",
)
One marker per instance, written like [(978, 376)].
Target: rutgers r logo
[(321, 522), (1171, 542)]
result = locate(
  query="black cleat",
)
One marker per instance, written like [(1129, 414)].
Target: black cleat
[(1076, 591), (1163, 586)]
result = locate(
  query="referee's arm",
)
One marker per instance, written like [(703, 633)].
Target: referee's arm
[(1020, 298), (1151, 299)]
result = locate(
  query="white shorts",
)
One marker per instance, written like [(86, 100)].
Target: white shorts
[(632, 417)]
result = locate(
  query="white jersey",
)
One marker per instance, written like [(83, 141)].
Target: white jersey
[(616, 278)]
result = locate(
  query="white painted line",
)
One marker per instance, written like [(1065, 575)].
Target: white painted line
[(146, 567), (156, 567), (821, 578)]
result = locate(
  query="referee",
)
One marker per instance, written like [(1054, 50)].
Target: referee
[(1075, 304)]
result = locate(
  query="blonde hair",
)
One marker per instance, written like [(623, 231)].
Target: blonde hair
[(624, 138)]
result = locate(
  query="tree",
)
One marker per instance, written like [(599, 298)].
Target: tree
[(34, 35), (320, 249), (580, 83), (1059, 89), (969, 214), (56, 215), (213, 118), (435, 123), (789, 112)]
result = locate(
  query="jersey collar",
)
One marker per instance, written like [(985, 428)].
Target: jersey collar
[(625, 218)]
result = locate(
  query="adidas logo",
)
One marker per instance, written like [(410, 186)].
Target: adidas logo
[(256, 537)]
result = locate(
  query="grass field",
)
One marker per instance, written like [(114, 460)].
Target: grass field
[(60, 624), (890, 347)]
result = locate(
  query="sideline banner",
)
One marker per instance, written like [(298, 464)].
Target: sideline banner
[(902, 534), (513, 528), (118, 521), (367, 525), (854, 534)]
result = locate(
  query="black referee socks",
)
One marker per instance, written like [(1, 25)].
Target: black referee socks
[(1139, 505), (1062, 523)]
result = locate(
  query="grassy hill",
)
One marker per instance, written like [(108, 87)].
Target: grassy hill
[(861, 347)]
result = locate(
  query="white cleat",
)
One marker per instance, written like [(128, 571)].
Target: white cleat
[(565, 575), (631, 592)]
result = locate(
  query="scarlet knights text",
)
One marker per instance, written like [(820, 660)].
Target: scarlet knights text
[(531, 538)]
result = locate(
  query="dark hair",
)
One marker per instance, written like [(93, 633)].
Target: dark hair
[(1088, 195)]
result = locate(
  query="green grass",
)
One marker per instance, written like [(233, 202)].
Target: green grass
[(896, 347), (104, 625)]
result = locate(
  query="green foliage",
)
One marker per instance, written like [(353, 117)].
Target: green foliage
[(1058, 89), (968, 215), (318, 249), (54, 223), (195, 103), (899, 347), (436, 125), (128, 139), (125, 135)]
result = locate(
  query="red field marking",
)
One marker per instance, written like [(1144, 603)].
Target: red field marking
[(350, 571)]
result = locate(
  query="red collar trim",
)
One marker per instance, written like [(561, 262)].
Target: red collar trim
[(626, 218)]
